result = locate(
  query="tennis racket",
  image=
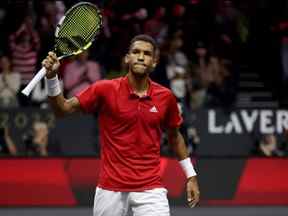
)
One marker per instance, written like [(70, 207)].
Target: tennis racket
[(74, 33)]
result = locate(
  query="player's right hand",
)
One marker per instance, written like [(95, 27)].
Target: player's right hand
[(52, 64)]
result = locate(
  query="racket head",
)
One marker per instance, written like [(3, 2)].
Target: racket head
[(77, 29)]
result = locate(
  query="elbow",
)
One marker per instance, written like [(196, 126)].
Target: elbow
[(59, 115), (61, 107), (63, 111)]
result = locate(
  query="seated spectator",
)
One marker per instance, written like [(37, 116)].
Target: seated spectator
[(7, 146), (221, 89), (80, 73), (9, 84), (267, 146), (171, 70), (156, 26), (200, 77), (36, 142)]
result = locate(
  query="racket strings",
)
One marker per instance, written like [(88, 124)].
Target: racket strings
[(80, 27)]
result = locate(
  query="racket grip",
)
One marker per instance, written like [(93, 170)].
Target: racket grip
[(31, 85)]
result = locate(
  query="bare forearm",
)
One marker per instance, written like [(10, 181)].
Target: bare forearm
[(58, 105), (178, 145), (62, 106)]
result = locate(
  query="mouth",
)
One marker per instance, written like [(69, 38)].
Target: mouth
[(140, 64)]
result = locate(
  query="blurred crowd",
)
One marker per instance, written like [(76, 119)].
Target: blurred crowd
[(202, 46), (35, 141), (198, 44)]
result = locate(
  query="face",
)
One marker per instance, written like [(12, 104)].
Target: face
[(214, 60), (201, 52), (270, 141), (141, 58), (5, 63), (176, 43)]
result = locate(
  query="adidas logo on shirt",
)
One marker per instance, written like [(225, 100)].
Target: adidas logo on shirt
[(153, 109)]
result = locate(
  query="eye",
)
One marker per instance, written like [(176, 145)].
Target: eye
[(148, 53), (135, 51)]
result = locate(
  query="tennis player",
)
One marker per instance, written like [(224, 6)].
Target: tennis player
[(133, 110)]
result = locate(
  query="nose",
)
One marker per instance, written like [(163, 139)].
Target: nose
[(141, 56)]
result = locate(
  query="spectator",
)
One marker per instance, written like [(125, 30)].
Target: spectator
[(172, 68), (232, 30), (7, 146), (9, 84), (267, 146), (24, 44), (80, 73), (48, 15), (177, 16), (221, 88), (201, 65), (177, 66), (175, 55), (156, 27), (38, 142), (200, 77)]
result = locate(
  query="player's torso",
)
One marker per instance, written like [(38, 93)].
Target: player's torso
[(130, 133), (134, 121)]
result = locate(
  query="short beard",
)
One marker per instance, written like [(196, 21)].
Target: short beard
[(140, 75)]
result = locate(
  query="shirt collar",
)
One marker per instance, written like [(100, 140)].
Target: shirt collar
[(131, 91)]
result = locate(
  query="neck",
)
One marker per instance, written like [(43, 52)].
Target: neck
[(139, 83), (202, 61), (5, 71)]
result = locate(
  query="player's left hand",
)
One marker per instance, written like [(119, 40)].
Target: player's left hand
[(193, 193)]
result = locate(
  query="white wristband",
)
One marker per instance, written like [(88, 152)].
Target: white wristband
[(187, 167), (53, 86)]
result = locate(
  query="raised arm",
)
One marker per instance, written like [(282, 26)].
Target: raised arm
[(60, 105)]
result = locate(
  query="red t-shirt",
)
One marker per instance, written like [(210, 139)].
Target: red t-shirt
[(130, 131)]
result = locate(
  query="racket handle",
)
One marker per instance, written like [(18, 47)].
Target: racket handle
[(31, 85)]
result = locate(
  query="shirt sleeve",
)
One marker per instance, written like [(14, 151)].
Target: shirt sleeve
[(91, 98), (173, 118)]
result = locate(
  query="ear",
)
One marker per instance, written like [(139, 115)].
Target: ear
[(126, 59), (155, 60)]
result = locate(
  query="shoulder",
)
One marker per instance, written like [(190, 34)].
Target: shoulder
[(159, 90), (106, 84)]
